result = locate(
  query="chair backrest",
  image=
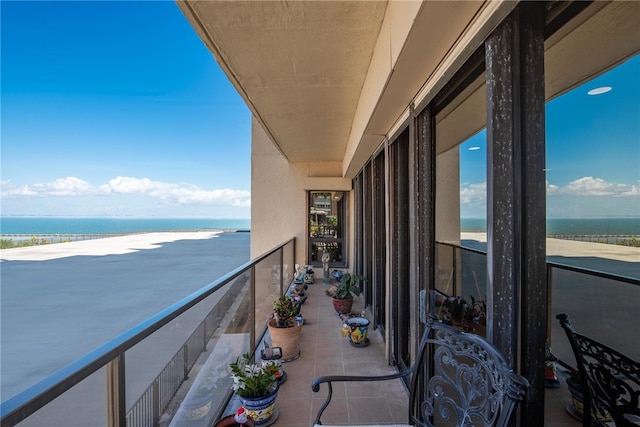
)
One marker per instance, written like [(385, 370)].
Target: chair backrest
[(612, 379), (461, 379)]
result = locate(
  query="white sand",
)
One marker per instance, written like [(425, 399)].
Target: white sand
[(572, 248), (98, 247), (137, 242)]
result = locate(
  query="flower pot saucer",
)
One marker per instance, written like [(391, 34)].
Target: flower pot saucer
[(229, 421), (573, 411), (282, 378), (364, 344), (291, 359), (548, 383), (271, 420)]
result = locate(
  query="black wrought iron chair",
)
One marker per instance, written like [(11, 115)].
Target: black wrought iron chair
[(612, 380), (465, 382)]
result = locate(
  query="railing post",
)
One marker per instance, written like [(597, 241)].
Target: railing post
[(116, 403), (185, 364), (204, 334), (252, 312), (454, 273), (549, 299), (156, 401), (281, 271)]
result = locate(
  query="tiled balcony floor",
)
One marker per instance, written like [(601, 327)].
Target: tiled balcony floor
[(324, 351)]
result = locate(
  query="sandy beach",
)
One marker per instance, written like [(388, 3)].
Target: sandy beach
[(572, 248), (100, 247), (60, 301)]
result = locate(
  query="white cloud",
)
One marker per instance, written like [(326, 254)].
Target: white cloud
[(632, 192), (552, 189), (179, 194), (474, 194), (225, 196), (590, 186), (586, 187), (69, 186), (128, 185), (587, 194)]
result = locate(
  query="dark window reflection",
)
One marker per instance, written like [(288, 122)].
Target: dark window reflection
[(327, 219)]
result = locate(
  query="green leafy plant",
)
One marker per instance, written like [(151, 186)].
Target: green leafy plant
[(253, 379), (285, 311), (348, 287)]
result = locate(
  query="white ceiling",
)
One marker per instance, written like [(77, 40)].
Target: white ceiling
[(300, 65)]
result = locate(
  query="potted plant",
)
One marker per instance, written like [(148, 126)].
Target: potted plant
[(355, 329), (345, 291), (285, 328), (256, 386), (576, 409), (458, 312)]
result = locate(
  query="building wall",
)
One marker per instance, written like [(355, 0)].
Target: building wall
[(279, 195), (448, 196), (278, 202)]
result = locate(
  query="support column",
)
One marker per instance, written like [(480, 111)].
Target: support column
[(424, 195), (516, 233), (414, 237)]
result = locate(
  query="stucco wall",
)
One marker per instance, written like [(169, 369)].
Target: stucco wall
[(278, 199), (448, 196), (279, 195)]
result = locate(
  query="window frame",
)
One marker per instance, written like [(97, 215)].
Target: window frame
[(340, 239)]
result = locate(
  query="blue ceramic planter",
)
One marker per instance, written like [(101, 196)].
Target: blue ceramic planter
[(260, 409), (355, 330)]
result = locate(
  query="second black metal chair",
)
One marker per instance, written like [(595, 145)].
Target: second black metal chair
[(612, 380)]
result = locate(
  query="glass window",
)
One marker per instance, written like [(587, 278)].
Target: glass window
[(327, 222)]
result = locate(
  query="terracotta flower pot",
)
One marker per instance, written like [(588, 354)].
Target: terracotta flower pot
[(343, 306), (231, 422), (288, 339)]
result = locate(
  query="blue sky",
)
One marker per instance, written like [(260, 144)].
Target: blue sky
[(592, 151), (118, 109)]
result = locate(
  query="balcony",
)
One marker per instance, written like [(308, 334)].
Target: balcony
[(232, 317), (324, 351)]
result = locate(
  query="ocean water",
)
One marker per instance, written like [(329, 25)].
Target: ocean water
[(572, 226), (59, 225), (67, 225)]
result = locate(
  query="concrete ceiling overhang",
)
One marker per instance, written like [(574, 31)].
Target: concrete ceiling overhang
[(328, 80), (299, 65), (302, 66), (434, 31), (609, 29)]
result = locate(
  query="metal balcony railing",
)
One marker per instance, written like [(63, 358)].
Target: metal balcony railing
[(602, 303), (225, 319)]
